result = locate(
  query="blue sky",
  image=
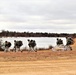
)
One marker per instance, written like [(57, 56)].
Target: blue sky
[(56, 16)]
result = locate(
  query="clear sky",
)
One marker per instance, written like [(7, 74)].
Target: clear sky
[(54, 16)]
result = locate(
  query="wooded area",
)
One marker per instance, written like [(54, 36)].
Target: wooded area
[(31, 34)]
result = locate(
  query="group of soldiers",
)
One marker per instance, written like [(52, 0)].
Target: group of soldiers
[(32, 44), (69, 41), (61, 46), (18, 44)]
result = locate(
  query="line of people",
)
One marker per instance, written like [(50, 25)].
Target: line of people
[(61, 46), (18, 44), (69, 41), (32, 44)]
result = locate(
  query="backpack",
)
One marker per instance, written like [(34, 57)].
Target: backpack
[(9, 44), (19, 43), (70, 41)]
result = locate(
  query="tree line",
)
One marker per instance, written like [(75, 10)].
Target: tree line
[(4, 33)]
